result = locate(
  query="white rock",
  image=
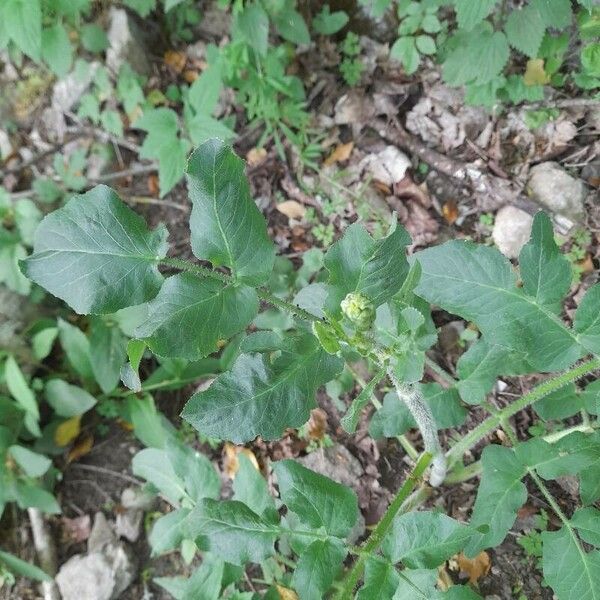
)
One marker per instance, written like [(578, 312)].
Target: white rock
[(388, 166), (86, 576), (335, 462), (125, 44), (128, 524), (512, 229), (552, 187), (101, 534), (6, 148), (68, 90), (137, 497)]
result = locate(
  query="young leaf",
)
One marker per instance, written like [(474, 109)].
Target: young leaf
[(232, 531), (30, 495), (478, 283), (253, 24), (587, 320), (501, 494), (381, 580), (291, 26), (328, 23), (150, 426), (525, 29), (317, 567), (317, 500), (374, 268), (77, 348), (18, 388), (32, 463), (258, 397), (68, 400), (424, 540), (227, 227), (107, 354), (190, 315), (96, 254), (250, 487), (155, 467), (167, 532), (572, 573)]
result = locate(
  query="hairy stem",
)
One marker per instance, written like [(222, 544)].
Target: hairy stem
[(377, 535), (544, 389), (423, 416)]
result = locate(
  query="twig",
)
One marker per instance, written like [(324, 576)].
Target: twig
[(46, 551), (96, 469)]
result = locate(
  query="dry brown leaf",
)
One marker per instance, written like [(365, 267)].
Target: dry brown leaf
[(190, 75), (67, 431), (153, 185), (317, 424), (81, 447), (175, 60), (450, 211), (444, 581), (286, 593), (231, 462), (78, 529), (341, 153), (475, 568), (382, 187), (291, 209), (535, 73), (586, 265), (125, 425), (255, 156), (406, 188)]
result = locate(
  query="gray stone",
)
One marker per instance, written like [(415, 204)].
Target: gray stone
[(336, 463), (552, 187), (512, 229), (125, 43), (129, 523), (68, 90), (388, 166), (101, 534), (137, 497), (86, 576)]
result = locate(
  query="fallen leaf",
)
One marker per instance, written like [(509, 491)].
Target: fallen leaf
[(586, 265), (475, 568), (407, 188), (125, 425), (175, 60), (153, 186), (291, 209), (382, 187), (317, 424), (444, 581), (78, 529), (67, 431), (190, 75), (535, 73), (81, 447), (450, 211), (341, 153), (231, 463), (286, 593), (255, 156)]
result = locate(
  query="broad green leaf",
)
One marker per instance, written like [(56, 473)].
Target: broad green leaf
[(425, 540), (561, 404), (260, 397), (191, 314), (204, 127), (10, 256), (405, 52), (203, 94), (56, 49), (170, 4), (476, 57), (94, 38), (68, 400), (155, 467), (32, 463), (587, 523), (167, 532), (205, 582), (107, 354), (317, 567), (18, 388), (416, 583), (27, 217), (591, 397), (250, 487), (30, 495), (587, 320), (110, 120), (232, 531), (77, 348), (469, 13), (291, 26), (194, 469), (96, 254), (571, 572), (317, 500), (545, 272), (358, 263), (20, 567), (478, 283), (150, 426), (525, 29), (501, 494), (175, 586), (253, 24), (43, 341), (555, 13), (23, 22), (381, 580), (328, 23), (457, 592), (142, 7), (227, 227), (172, 159)]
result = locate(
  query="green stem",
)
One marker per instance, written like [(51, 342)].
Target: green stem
[(547, 387), (263, 294), (378, 534), (440, 372)]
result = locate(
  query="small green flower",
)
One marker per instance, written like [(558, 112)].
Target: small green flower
[(359, 309)]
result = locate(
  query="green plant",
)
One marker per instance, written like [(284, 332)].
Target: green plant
[(351, 66), (373, 306)]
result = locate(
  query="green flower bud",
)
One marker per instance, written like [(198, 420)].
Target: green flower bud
[(359, 309)]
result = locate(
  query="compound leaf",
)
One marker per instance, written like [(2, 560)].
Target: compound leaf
[(96, 254), (478, 283), (317, 500), (190, 315), (227, 227), (260, 397), (317, 567), (232, 531), (545, 272), (358, 263)]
